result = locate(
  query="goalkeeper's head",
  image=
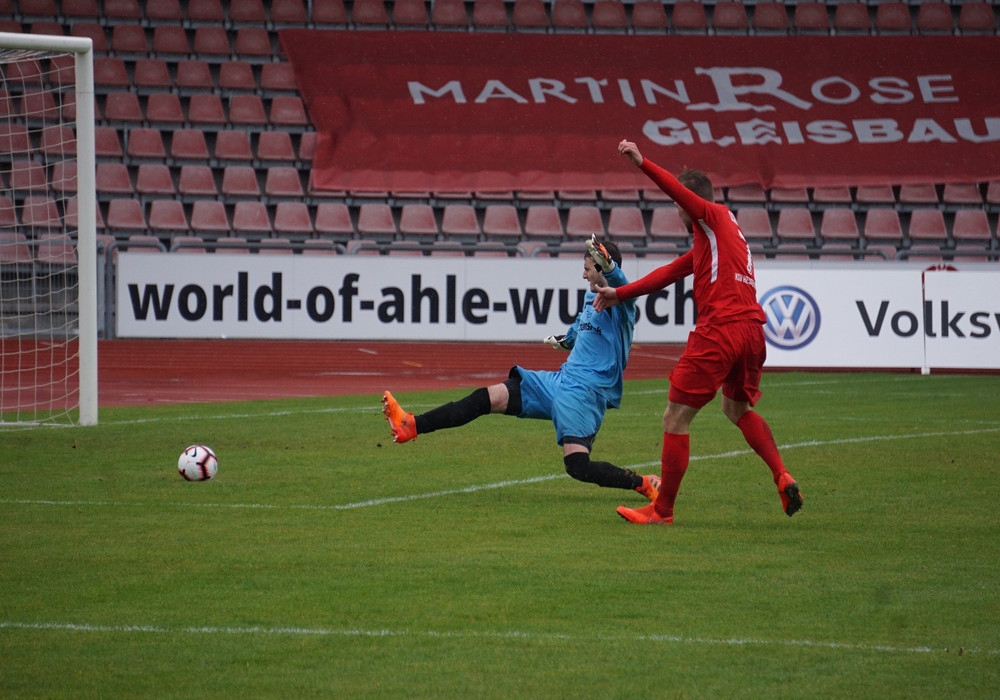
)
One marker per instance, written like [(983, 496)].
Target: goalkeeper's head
[(613, 252)]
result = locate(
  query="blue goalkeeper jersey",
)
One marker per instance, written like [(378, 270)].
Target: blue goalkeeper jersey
[(600, 344)]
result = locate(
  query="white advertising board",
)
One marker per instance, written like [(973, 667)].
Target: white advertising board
[(846, 315)]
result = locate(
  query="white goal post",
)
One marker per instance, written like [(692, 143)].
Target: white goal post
[(23, 356)]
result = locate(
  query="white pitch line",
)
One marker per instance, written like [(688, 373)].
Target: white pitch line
[(491, 486), (511, 634)]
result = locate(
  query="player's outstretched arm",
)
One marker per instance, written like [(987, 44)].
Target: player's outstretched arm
[(631, 151), (606, 298)]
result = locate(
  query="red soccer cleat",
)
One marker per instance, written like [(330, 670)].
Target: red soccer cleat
[(404, 428), (650, 486), (791, 498), (646, 515)]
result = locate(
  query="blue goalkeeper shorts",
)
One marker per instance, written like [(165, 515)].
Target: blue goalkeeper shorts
[(575, 409)]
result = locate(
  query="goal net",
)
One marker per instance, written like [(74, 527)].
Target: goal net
[(48, 217)]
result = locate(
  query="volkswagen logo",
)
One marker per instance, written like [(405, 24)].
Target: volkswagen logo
[(792, 318)]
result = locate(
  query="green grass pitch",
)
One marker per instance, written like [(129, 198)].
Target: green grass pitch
[(326, 561)]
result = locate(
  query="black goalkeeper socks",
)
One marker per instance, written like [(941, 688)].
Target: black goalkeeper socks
[(455, 413), (580, 467)]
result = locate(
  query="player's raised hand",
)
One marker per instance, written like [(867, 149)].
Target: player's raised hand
[(606, 298), (599, 253), (630, 151)]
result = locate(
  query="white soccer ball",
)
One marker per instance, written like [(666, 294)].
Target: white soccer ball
[(198, 463)]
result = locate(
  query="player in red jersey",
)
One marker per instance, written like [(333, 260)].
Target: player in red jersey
[(725, 350)]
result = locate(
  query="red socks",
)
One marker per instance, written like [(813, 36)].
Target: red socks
[(758, 435), (674, 462)]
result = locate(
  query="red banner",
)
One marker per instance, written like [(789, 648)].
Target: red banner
[(458, 111)]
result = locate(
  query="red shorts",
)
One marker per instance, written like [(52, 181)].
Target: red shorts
[(730, 356)]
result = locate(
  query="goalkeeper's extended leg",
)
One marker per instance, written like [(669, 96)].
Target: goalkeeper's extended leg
[(405, 426), (582, 468)]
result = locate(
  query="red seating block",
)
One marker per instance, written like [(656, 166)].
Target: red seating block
[(569, 15), (251, 217), (609, 16), (154, 179), (233, 146), (292, 218)]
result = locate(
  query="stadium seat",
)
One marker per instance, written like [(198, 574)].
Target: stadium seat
[(154, 180), (36, 10), (277, 77), (626, 224), (976, 17), (38, 105), (158, 11), (8, 212), (74, 9), (935, 17), (236, 76), (122, 107), (209, 217), (232, 245), (489, 15), (14, 138), (501, 222), (416, 221), (253, 44), (72, 218), (106, 142), (62, 73), (275, 246), (205, 110), (730, 17), (283, 182), (110, 72), (113, 179), (811, 18), (572, 197), (375, 221), (620, 195), (796, 224), (459, 221), (739, 194), (233, 146), (211, 42), (852, 18), (57, 141), (151, 74), (882, 225), (665, 225), (542, 222), (971, 226), (167, 216), (125, 216), (55, 251), (689, 17), (755, 223), (993, 194), (63, 179), (927, 225), (40, 212), (288, 111), (584, 220), (27, 176), (275, 147), (129, 41), (530, 15), (893, 17), (609, 17), (240, 182), (840, 225), (187, 146), (187, 244), (14, 248), (874, 194), (569, 16), (911, 195), (319, 246), (449, 13), (649, 17), (292, 218), (781, 196), (961, 194), (145, 144), (196, 182), (247, 12), (329, 13), (171, 41), (205, 12), (287, 13), (163, 110), (334, 219), (832, 195), (770, 17), (369, 14), (121, 11), (251, 217), (194, 76), (247, 111)]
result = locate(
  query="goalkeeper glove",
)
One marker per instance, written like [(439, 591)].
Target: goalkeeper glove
[(558, 342), (599, 253)]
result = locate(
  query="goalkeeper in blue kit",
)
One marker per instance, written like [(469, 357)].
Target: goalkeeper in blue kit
[(574, 398)]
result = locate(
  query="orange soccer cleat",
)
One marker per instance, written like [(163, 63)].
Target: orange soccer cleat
[(404, 428), (791, 498), (646, 515), (650, 486)]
